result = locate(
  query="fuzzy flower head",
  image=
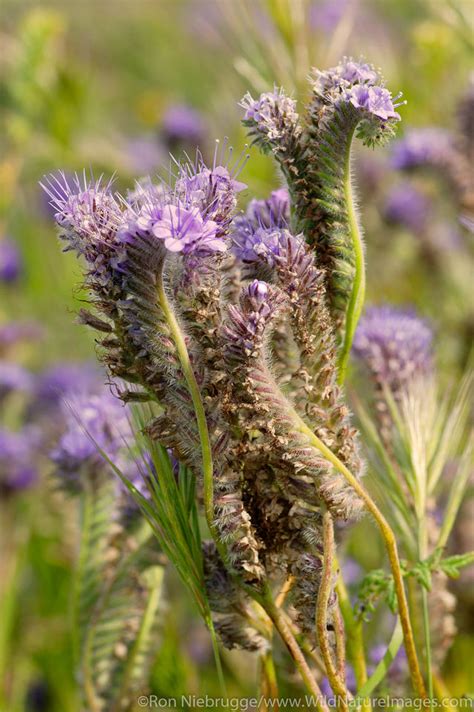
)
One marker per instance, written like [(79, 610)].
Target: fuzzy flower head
[(272, 118), (192, 217), (346, 74), (86, 211), (257, 235), (261, 245), (358, 85), (88, 216), (394, 345), (212, 190), (11, 263)]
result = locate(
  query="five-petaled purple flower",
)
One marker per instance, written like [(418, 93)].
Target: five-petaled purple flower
[(376, 100), (185, 230)]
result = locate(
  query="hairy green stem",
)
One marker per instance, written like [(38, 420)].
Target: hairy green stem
[(392, 551), (205, 442), (324, 593), (356, 301), (355, 640), (294, 649)]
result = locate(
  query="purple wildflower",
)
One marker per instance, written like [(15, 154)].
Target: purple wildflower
[(407, 206), (260, 245), (14, 378), (272, 212), (394, 344), (184, 230), (273, 115), (193, 217), (93, 422), (212, 191), (430, 146), (88, 216), (182, 124), (376, 100), (65, 380), (346, 74), (17, 459), (11, 263)]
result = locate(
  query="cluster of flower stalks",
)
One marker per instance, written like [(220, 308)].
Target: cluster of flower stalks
[(236, 329)]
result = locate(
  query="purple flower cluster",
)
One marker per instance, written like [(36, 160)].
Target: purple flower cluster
[(18, 450), (395, 346), (272, 212), (259, 234), (11, 263), (358, 84), (430, 146), (191, 219), (407, 206), (374, 99), (272, 116)]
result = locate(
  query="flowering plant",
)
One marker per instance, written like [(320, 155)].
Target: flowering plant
[(231, 334)]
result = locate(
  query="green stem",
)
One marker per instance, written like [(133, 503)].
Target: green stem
[(294, 649), (391, 547), (324, 593), (356, 301), (353, 628), (268, 682), (205, 442), (217, 656)]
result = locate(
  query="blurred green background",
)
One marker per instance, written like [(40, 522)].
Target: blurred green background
[(87, 84)]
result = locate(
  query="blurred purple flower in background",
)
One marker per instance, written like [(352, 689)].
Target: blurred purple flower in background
[(18, 455), (14, 332), (326, 15), (430, 146), (181, 124), (145, 155), (14, 377), (66, 380), (407, 206), (92, 422), (11, 263), (394, 344)]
